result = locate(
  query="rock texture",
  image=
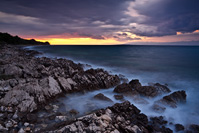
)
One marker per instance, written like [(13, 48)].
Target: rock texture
[(29, 81), (120, 118)]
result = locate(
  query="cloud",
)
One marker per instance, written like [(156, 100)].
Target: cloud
[(99, 19)]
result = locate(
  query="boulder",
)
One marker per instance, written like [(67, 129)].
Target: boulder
[(148, 91), (161, 89), (173, 99), (135, 84), (123, 88), (179, 127), (101, 96)]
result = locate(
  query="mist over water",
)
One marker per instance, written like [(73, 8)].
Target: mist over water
[(177, 66)]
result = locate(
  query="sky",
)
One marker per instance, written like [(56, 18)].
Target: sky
[(101, 21)]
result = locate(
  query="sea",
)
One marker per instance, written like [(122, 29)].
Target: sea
[(176, 66)]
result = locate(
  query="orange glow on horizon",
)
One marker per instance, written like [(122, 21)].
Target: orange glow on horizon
[(79, 41)]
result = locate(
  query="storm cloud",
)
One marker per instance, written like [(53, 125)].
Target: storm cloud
[(99, 19)]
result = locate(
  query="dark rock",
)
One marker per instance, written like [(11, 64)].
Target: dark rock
[(101, 96), (173, 99), (31, 118), (123, 88), (157, 124), (119, 97), (148, 91), (179, 127), (73, 111), (161, 88), (194, 128), (135, 84)]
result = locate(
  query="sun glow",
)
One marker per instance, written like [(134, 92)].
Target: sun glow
[(80, 41)]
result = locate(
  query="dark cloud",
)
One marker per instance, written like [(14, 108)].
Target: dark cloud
[(169, 16), (99, 19)]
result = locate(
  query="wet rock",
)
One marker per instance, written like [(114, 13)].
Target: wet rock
[(123, 88), (135, 84), (101, 96), (194, 127), (157, 124), (179, 127), (161, 89), (148, 91), (73, 112), (173, 99), (119, 97)]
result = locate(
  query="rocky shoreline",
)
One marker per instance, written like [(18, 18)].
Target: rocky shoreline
[(30, 84)]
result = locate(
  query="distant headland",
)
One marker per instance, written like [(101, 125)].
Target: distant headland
[(6, 38)]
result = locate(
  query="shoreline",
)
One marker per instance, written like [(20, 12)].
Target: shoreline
[(46, 79)]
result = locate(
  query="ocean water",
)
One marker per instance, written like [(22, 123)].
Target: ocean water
[(177, 66)]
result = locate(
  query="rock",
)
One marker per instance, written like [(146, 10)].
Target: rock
[(101, 96), (21, 130), (135, 84), (148, 91), (19, 98), (194, 128), (122, 117), (66, 84), (9, 124), (123, 88), (32, 118), (173, 99), (73, 112), (27, 129), (3, 128), (119, 97), (61, 118), (161, 89), (157, 124), (26, 124), (179, 127)]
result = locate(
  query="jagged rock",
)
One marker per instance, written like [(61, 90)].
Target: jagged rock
[(135, 84), (66, 84), (179, 127), (161, 89), (103, 120), (101, 96), (157, 124), (119, 97), (148, 91), (19, 98), (123, 88), (173, 99)]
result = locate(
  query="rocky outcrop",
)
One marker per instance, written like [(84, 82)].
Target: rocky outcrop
[(134, 87), (173, 99), (135, 84), (123, 117), (179, 127)]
